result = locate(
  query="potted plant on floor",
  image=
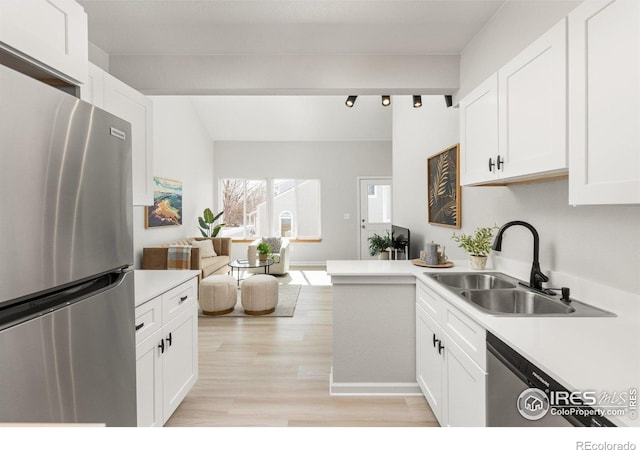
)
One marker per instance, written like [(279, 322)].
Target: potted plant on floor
[(379, 245), (477, 245), (264, 251), (207, 227)]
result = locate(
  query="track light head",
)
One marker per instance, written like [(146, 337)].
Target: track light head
[(351, 100), (386, 100), (448, 99), (417, 101)]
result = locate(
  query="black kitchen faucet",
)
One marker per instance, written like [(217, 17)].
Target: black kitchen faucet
[(537, 277)]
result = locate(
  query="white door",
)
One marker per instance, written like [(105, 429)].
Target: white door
[(375, 211)]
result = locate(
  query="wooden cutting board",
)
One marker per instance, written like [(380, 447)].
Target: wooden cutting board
[(421, 263)]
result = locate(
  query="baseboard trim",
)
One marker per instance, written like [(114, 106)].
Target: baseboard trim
[(373, 389)]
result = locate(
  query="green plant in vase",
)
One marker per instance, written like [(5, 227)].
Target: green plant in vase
[(379, 245), (477, 245), (264, 251), (207, 227)]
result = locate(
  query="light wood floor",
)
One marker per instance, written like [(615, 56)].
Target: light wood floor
[(275, 372)]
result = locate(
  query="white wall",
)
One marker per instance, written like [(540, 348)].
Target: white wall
[(336, 164), (516, 25), (597, 243), (417, 134), (183, 151)]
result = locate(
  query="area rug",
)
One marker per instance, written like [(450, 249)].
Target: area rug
[(287, 300)]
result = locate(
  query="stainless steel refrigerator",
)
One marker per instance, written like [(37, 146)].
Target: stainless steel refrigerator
[(67, 344)]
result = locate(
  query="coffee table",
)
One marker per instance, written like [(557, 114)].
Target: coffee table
[(244, 264)]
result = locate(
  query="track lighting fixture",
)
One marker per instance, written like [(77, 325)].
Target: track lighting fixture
[(351, 100), (386, 100), (417, 101), (448, 99)]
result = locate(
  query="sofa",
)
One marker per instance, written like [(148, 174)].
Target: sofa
[(155, 258), (280, 257)]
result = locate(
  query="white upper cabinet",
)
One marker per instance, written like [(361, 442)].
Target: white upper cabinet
[(532, 93), (129, 104), (107, 92), (93, 90), (604, 103), (50, 33), (513, 126), (479, 133)]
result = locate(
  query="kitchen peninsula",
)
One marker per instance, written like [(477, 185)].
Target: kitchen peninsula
[(374, 336)]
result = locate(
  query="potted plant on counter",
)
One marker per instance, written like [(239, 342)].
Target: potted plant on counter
[(477, 245), (379, 245)]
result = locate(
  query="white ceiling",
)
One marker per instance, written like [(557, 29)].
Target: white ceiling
[(223, 27), (288, 27)]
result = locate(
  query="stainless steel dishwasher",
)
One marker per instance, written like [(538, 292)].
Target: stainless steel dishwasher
[(516, 393)]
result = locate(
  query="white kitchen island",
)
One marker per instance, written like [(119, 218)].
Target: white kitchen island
[(372, 324), (374, 335)]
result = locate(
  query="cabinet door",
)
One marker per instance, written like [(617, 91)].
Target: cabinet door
[(93, 90), (479, 133), (49, 33), (466, 385), (134, 107), (149, 381), (428, 361), (180, 360), (533, 108), (604, 103)]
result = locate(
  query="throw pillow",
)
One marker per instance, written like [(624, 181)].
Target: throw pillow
[(206, 248), (274, 242)]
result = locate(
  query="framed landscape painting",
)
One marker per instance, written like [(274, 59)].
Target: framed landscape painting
[(167, 204), (443, 187)]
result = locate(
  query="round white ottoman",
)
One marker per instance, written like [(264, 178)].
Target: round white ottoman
[(259, 294), (218, 294)]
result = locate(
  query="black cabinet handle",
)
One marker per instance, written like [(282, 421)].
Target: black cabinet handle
[(440, 348), (435, 341), (491, 164), (139, 326), (500, 162), (170, 339), (183, 298), (161, 345)]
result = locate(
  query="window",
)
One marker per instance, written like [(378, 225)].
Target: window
[(292, 210), (244, 206)]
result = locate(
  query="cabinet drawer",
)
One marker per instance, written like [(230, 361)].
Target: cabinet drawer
[(429, 302), (179, 299), (148, 319), (466, 333)]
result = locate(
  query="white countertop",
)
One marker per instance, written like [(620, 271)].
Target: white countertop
[(151, 283), (582, 353)]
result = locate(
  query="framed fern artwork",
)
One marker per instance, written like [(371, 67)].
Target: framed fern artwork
[(443, 187)]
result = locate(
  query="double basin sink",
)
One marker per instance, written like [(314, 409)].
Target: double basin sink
[(498, 294)]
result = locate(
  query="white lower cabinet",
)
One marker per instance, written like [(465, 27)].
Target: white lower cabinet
[(450, 379), (166, 352)]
